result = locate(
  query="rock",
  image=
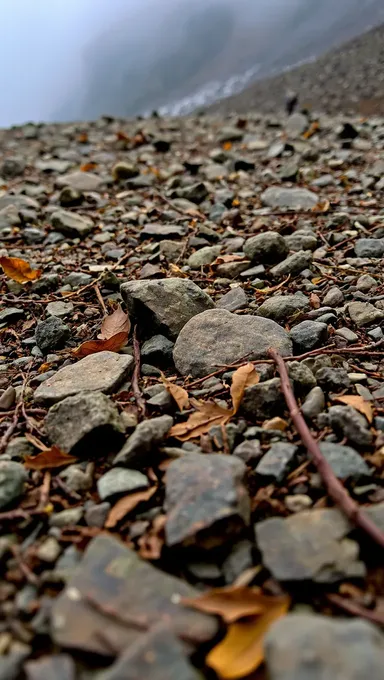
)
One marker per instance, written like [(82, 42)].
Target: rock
[(351, 424), (293, 264), (347, 334), (205, 500), (308, 335), (49, 550), (123, 170), (113, 576), (155, 656), (196, 193), (302, 239), (164, 305), (288, 171), (301, 376), (218, 337), (298, 502), (203, 256), (18, 448), (314, 403), (295, 199), (172, 251), (157, 350), (12, 167), (148, 435), (11, 664), (363, 313), (344, 461), (235, 299), (59, 309), (365, 283), (77, 279), (71, 224), (369, 247), (8, 398), (101, 372), (96, 515), (80, 181), (86, 422), (277, 462), (296, 124), (163, 231), (309, 545), (309, 646), (120, 481), (230, 134), (263, 400), (333, 379), (334, 297), (54, 165), (249, 451), (12, 479), (280, 307), (50, 334), (70, 197), (19, 201), (66, 518), (10, 315), (268, 248), (57, 667)]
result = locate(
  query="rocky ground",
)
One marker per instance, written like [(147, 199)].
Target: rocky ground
[(162, 503)]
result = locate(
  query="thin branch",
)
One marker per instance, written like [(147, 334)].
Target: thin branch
[(11, 428), (356, 609), (136, 374), (334, 488), (100, 299)]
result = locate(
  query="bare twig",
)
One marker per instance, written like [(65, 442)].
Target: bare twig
[(100, 299), (335, 489), (136, 374), (11, 428), (356, 609)]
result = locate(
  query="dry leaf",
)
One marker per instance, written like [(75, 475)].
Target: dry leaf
[(321, 207), (315, 301), (151, 543), (49, 458), (314, 127), (115, 323), (275, 424), (227, 146), (126, 505), (206, 416), (231, 603), (176, 271), (244, 377), (113, 344), (19, 270), (88, 167), (359, 404), (225, 259), (122, 136), (241, 652), (179, 394)]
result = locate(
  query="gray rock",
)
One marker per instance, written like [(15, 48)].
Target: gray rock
[(263, 400), (80, 181), (123, 170), (11, 314), (13, 166), (166, 304), (19, 201), (302, 239), (363, 313), (314, 403), (50, 334), (163, 231), (309, 545), (101, 372), (296, 199), (347, 334), (157, 350), (334, 297), (147, 436), (218, 337), (76, 279), (313, 647), (71, 224), (59, 309), (230, 134), (18, 448), (268, 248), (280, 307), (351, 424), (49, 550), (293, 264), (344, 461), (288, 171), (277, 462), (249, 451), (120, 481), (96, 515), (57, 666), (206, 500), (65, 518), (196, 193), (365, 283), (11, 664), (333, 379), (87, 421), (369, 247), (307, 335), (203, 256), (296, 124), (235, 299), (54, 165), (12, 479), (7, 398), (301, 376)]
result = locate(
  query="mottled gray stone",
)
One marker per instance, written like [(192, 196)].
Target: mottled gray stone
[(143, 442), (120, 480), (277, 462), (293, 264), (351, 424), (308, 335), (268, 247), (50, 334), (71, 224), (263, 400), (344, 461), (363, 313), (280, 307), (12, 479), (296, 199), (369, 247)]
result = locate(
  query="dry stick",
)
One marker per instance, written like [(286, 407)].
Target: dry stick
[(10, 430), (355, 609), (136, 374), (335, 489), (100, 299)]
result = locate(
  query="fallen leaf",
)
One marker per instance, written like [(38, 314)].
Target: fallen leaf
[(122, 136), (179, 394), (321, 207), (126, 505), (244, 377), (275, 424), (231, 603), (83, 138), (176, 271), (113, 344), (49, 458), (88, 167), (315, 301), (151, 543), (359, 404), (225, 259), (19, 270), (206, 416), (241, 651), (314, 127), (115, 323), (227, 146)]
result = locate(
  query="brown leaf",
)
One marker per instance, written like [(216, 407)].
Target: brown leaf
[(113, 344), (19, 270), (359, 404), (225, 259), (207, 414), (321, 207), (176, 271), (241, 651), (117, 322), (315, 301), (231, 603), (50, 458), (88, 167), (126, 505), (244, 377), (151, 543), (275, 423), (179, 394)]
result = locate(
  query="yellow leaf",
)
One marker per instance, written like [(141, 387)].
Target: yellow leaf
[(206, 416), (176, 271), (117, 322), (19, 270), (359, 404), (231, 603), (244, 377), (241, 652), (179, 394), (113, 344)]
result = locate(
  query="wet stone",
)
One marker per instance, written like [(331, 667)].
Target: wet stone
[(206, 500), (147, 436), (277, 462)]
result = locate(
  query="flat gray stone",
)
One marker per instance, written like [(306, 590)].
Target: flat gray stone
[(59, 309), (268, 247), (349, 423), (51, 333), (101, 372), (263, 400), (71, 224), (314, 403), (235, 299), (369, 247), (307, 335), (277, 462), (203, 256), (143, 442), (344, 461), (11, 314), (293, 264), (280, 307), (218, 337), (120, 481), (302, 239), (363, 313), (296, 199), (163, 231), (82, 181), (12, 479)]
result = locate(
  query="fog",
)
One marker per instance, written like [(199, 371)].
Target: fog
[(74, 59)]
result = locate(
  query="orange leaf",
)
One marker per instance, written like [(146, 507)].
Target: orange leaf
[(122, 136), (231, 603), (176, 271), (227, 146), (117, 322), (50, 458), (206, 416), (126, 505), (315, 301), (359, 404), (88, 167), (113, 344), (275, 424), (179, 394), (321, 206), (244, 377), (241, 651), (19, 270)]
